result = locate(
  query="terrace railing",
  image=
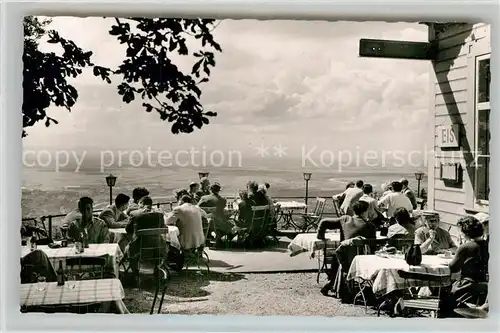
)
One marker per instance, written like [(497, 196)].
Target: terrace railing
[(169, 205)]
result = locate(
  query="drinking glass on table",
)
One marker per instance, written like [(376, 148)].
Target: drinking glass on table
[(71, 282), (41, 284)]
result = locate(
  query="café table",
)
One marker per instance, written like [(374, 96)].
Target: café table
[(285, 211), (172, 237), (110, 251), (308, 242), (382, 271), (73, 293)]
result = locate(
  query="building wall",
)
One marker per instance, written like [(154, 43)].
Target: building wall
[(452, 86)]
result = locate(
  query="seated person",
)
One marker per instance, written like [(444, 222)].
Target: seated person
[(193, 192), (263, 189), (221, 223), (349, 197), (137, 194), (350, 227), (35, 264), (431, 238), (145, 218), (404, 227), (484, 219), (395, 200), (188, 218), (245, 212), (114, 215), (471, 260), (204, 189), (83, 223)]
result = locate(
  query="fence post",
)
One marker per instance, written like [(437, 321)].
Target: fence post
[(50, 226)]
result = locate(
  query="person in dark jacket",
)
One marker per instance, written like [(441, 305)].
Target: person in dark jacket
[(350, 227), (145, 218), (221, 224), (471, 260)]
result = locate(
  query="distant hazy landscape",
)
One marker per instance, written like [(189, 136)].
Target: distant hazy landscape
[(46, 191)]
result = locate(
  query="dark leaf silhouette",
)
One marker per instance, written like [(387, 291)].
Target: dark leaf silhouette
[(147, 71)]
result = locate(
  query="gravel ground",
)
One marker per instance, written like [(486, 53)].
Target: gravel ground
[(286, 294)]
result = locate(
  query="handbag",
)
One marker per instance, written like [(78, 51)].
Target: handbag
[(414, 255)]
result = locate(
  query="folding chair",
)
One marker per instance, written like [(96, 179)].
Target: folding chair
[(259, 217), (312, 220), (364, 247), (208, 227), (156, 253), (423, 303), (89, 268), (336, 208), (162, 275), (328, 257)]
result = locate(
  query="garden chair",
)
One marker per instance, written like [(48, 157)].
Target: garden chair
[(364, 247), (423, 303), (148, 251), (252, 231), (336, 208), (311, 220), (162, 275)]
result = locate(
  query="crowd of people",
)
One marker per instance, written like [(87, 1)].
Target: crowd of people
[(189, 216), (393, 215)]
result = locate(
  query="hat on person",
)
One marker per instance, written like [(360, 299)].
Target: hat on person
[(430, 213), (193, 184), (482, 217), (216, 185)]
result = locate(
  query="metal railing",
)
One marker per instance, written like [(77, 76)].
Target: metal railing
[(329, 209)]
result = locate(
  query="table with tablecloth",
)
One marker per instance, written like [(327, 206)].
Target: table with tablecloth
[(111, 252), (73, 293), (308, 242), (172, 237), (382, 271), (285, 210)]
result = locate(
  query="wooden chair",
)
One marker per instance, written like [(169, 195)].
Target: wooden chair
[(162, 274), (156, 253), (259, 217), (336, 208), (311, 220), (364, 247), (401, 244), (208, 227), (86, 268), (424, 303)]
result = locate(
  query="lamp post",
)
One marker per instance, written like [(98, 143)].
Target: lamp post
[(111, 181), (419, 176), (307, 178), (203, 174)]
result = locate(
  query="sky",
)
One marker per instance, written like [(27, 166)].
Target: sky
[(294, 83)]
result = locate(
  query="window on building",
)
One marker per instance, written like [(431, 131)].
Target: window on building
[(482, 118)]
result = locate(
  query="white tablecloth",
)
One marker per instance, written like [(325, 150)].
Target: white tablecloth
[(288, 205), (84, 291), (308, 242), (383, 271), (173, 235), (112, 253)]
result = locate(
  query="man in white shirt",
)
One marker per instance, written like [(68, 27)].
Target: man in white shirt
[(352, 196), (394, 200), (188, 218), (372, 203), (408, 192)]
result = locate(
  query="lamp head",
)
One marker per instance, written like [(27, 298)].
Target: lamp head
[(111, 180)]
